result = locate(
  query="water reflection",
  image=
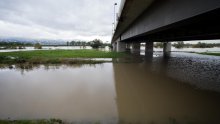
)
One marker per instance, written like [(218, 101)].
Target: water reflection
[(147, 97), (73, 93), (201, 71), (198, 70), (25, 68)]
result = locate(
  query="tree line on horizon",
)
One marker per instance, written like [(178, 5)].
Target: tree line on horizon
[(181, 44), (14, 45), (96, 43)]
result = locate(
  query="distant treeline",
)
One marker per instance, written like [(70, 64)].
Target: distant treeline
[(78, 43), (198, 45), (181, 44), (203, 45), (14, 45), (96, 43), (84, 43)]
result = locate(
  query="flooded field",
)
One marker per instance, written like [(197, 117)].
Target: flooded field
[(181, 89)]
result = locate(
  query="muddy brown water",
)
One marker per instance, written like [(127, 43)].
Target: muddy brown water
[(181, 89)]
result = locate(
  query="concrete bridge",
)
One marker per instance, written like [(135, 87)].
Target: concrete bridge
[(148, 21)]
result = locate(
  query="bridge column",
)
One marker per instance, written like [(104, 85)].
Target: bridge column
[(128, 46), (136, 47), (114, 45), (149, 48), (121, 46), (166, 48)]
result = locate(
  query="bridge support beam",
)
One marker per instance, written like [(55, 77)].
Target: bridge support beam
[(166, 48), (128, 47), (136, 48), (121, 46), (149, 49), (114, 46)]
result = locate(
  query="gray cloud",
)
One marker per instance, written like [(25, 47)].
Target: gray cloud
[(57, 19)]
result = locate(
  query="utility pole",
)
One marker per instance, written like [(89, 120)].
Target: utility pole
[(114, 15)]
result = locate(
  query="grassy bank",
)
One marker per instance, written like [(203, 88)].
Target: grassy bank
[(56, 56), (207, 53)]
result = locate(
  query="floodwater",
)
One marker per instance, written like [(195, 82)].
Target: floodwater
[(181, 89)]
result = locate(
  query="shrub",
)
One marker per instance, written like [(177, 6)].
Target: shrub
[(96, 43), (37, 46)]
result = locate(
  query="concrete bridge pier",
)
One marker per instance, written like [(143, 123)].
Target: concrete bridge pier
[(166, 48), (128, 46), (149, 49), (136, 48), (114, 46), (121, 46)]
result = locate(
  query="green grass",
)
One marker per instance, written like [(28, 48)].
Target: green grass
[(213, 54), (55, 56)]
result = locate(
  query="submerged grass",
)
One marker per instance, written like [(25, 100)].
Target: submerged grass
[(56, 56), (207, 53)]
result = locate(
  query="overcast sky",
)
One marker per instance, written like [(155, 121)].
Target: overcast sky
[(57, 19)]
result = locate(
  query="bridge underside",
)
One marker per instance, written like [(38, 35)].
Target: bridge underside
[(167, 21), (202, 27)]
